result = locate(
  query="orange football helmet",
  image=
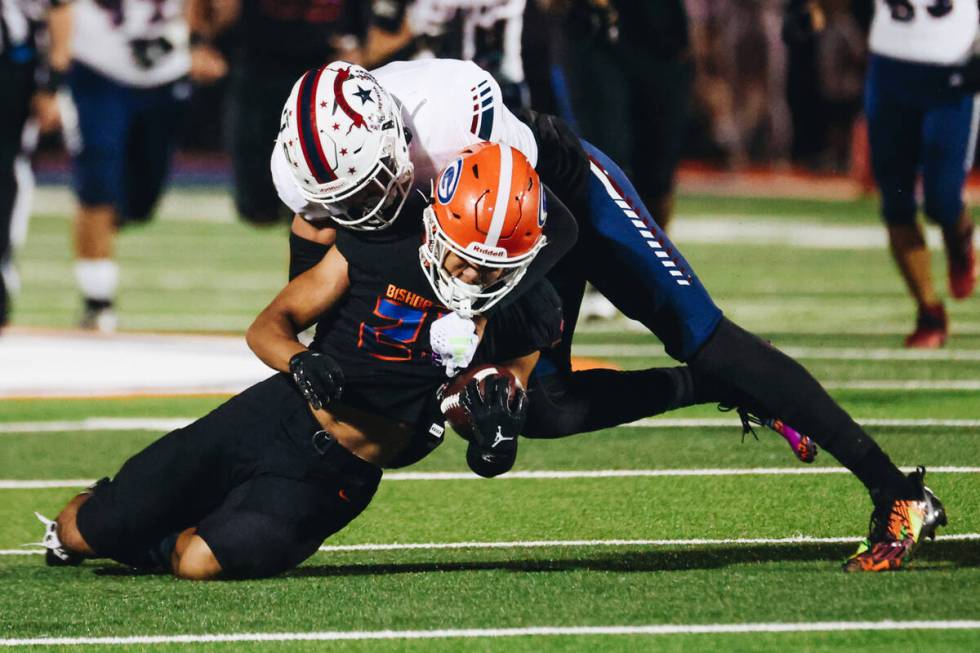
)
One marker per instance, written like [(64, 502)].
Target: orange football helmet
[(488, 208)]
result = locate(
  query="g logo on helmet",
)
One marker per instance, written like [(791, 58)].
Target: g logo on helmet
[(448, 181)]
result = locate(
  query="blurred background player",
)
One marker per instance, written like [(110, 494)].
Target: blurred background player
[(129, 86), (921, 118), (28, 77), (629, 74), (915, 119), (487, 32), (271, 43)]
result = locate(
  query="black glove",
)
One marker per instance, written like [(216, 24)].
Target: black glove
[(317, 376), (496, 420)]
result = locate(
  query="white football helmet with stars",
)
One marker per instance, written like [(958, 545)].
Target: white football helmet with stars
[(343, 138)]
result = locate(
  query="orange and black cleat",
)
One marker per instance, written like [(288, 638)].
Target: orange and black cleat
[(898, 526)]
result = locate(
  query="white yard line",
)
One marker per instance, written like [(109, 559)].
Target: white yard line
[(486, 633), (957, 385), (163, 425), (810, 232), (619, 325), (540, 544), (40, 484), (720, 422), (808, 353), (99, 424), (537, 544), (804, 233)]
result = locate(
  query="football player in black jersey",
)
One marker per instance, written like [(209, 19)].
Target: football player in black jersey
[(253, 488)]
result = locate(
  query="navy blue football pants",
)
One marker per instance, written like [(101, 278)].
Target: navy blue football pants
[(631, 261), (916, 122), (125, 140)]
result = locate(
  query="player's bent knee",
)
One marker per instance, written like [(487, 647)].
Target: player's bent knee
[(197, 561), (255, 545)]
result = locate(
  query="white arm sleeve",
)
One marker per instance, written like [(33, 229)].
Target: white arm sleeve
[(282, 178)]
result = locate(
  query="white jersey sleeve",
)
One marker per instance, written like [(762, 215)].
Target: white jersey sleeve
[(133, 42), (938, 32), (449, 104)]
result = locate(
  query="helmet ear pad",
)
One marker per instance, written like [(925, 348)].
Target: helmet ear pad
[(487, 208), (346, 147)]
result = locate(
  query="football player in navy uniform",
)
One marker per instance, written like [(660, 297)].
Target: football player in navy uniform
[(253, 488), (919, 118), (129, 86), (331, 171), (921, 108)]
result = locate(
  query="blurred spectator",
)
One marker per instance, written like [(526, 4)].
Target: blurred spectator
[(630, 74), (841, 55), (29, 77), (741, 77), (803, 91), (275, 42)]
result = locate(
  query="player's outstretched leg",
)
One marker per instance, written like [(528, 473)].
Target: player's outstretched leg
[(567, 403), (782, 386), (650, 281)]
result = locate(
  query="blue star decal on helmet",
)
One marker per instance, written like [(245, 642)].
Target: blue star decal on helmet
[(364, 94)]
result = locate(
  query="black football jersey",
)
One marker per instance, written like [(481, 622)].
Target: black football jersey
[(379, 333)]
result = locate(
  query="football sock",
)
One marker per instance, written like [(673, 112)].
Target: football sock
[(98, 279), (589, 400), (765, 380), (304, 254)]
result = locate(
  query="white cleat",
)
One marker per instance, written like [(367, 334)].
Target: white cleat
[(55, 554)]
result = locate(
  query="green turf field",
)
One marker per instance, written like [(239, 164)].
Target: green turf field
[(687, 537)]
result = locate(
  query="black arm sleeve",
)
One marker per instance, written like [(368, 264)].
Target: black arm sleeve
[(532, 324), (562, 162)]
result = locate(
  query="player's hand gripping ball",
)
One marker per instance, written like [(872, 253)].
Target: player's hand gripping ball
[(487, 406)]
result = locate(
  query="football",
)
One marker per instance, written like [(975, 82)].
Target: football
[(457, 417)]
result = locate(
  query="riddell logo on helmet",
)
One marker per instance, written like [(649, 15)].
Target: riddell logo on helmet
[(486, 250)]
